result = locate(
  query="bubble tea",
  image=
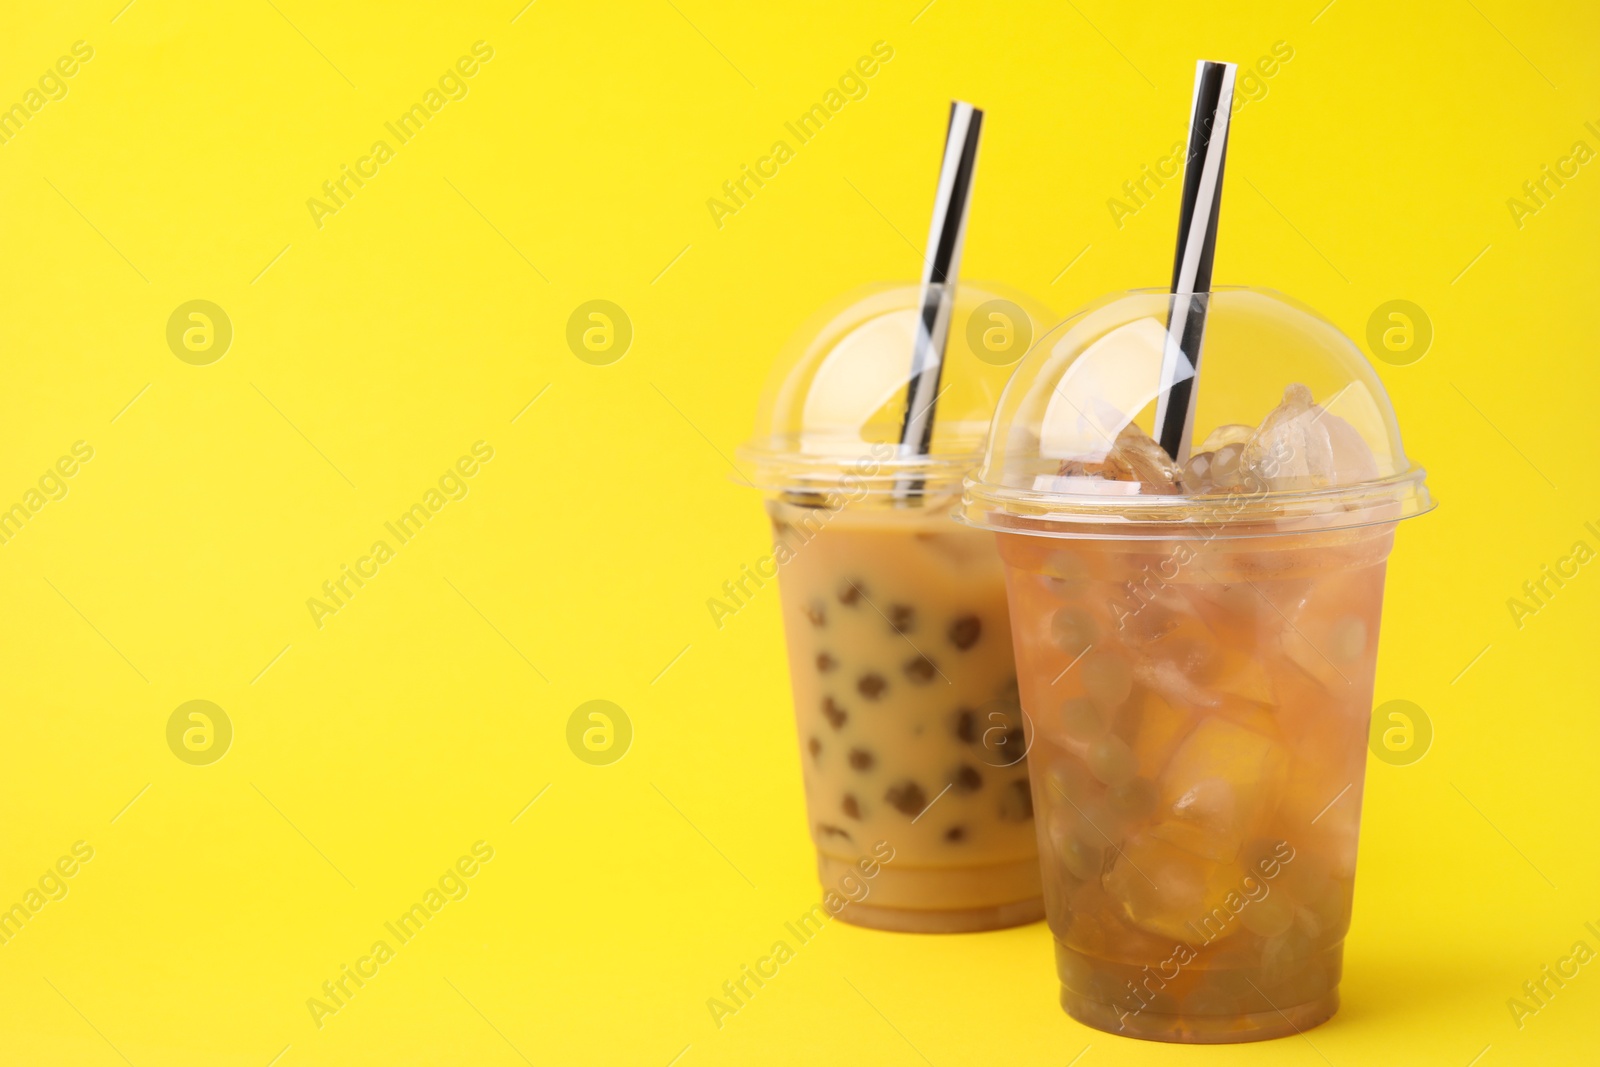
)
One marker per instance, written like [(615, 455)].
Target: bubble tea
[(1196, 647), (900, 654)]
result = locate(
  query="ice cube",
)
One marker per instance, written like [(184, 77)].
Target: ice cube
[(1257, 717), (1304, 653), (1242, 676), (1112, 761), (1215, 472), (1230, 609), (1166, 627), (1229, 433), (1175, 653), (1169, 680), (1133, 457), (1221, 784), (1153, 730), (1214, 466), (1132, 800), (1197, 473), (1326, 634), (1078, 847), (1168, 891), (1300, 445)]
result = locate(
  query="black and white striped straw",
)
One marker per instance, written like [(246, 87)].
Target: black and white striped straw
[(941, 267), (1197, 246)]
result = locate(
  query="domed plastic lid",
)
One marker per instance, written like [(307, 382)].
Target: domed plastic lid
[(835, 402), (1292, 429)]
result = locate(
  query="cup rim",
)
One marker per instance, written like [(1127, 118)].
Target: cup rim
[(1051, 513)]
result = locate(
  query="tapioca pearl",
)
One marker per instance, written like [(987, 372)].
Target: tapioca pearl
[(1068, 786), (1133, 800), (815, 747), (1284, 956), (1327, 919), (1308, 922), (1261, 857), (829, 830), (965, 631), (1083, 859), (1347, 639), (956, 834), (1073, 629), (1107, 679), (1016, 802), (825, 663), (871, 686), (965, 726), (902, 618), (817, 612), (835, 715), (966, 779), (850, 806), (907, 797), (1308, 875), (920, 670), (861, 759), (850, 592), (1269, 916), (1112, 761), (1082, 721)]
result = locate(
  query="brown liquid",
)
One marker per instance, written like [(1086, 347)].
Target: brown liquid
[(1201, 712), (905, 698)]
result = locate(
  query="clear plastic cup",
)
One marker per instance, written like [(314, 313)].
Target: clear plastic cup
[(1195, 651), (899, 640)]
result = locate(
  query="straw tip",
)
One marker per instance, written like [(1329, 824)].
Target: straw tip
[(959, 105), (1203, 65)]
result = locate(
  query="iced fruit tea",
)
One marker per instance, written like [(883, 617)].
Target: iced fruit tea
[(1201, 712)]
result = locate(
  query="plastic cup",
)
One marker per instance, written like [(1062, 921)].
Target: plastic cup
[(900, 655), (1196, 652)]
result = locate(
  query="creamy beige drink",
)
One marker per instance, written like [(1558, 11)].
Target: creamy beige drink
[(906, 702), (905, 697)]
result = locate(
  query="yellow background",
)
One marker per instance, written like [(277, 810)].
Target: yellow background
[(370, 353)]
